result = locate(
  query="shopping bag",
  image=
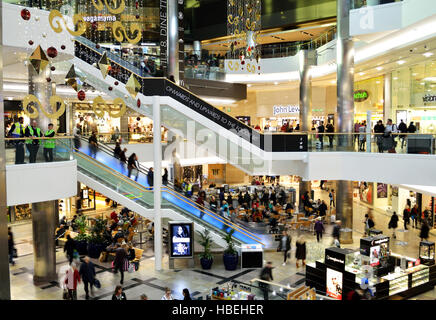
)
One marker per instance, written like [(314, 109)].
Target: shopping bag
[(65, 295), (131, 268), (332, 218), (97, 283), (14, 253), (126, 265), (136, 264)]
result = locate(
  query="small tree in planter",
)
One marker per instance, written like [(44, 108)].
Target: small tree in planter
[(206, 258), (96, 243), (82, 238), (230, 256)]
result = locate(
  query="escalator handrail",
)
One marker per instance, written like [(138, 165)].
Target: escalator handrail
[(140, 187)]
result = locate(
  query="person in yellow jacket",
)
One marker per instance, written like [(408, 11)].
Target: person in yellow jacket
[(49, 144), (31, 144)]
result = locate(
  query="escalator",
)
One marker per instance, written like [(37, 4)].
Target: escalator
[(184, 113), (108, 176)]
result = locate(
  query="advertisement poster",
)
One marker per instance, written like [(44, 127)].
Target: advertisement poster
[(374, 256), (334, 284), (366, 192), (181, 239), (382, 190)]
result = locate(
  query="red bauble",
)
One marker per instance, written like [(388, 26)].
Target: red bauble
[(97, 46), (94, 25), (30, 42), (125, 50), (116, 83), (81, 95), (138, 103), (25, 14), (52, 52), (137, 16), (52, 68), (63, 47), (110, 88), (258, 67), (242, 62), (137, 4), (48, 79)]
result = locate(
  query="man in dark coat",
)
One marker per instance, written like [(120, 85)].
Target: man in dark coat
[(285, 246), (87, 272), (11, 246), (424, 231), (150, 177), (69, 248), (120, 257)]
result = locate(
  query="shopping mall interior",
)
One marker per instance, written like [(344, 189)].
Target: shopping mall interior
[(218, 150)]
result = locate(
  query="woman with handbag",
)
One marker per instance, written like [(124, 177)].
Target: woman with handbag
[(285, 246), (72, 278)]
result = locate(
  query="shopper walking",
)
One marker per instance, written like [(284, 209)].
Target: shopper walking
[(133, 166), (77, 132), (11, 246), (72, 278), (167, 295), (362, 136), (379, 130), (319, 228), (402, 128), (120, 261), (393, 224), (119, 294), (336, 233), (321, 134), (165, 177), (93, 144), (87, 272), (69, 248), (117, 150), (369, 224), (300, 252), (406, 216), (414, 214), (266, 275), (285, 246), (411, 128), (424, 230), (330, 129), (332, 198)]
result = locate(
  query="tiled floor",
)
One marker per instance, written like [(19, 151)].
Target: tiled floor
[(147, 280)]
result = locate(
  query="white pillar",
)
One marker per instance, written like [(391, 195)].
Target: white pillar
[(368, 131), (157, 183), (387, 98)]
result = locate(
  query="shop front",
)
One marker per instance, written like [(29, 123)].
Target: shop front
[(414, 96), (369, 96)]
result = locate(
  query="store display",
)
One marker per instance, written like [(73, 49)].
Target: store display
[(427, 252), (334, 284)]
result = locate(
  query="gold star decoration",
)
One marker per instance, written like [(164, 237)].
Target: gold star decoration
[(104, 65), (133, 86), (38, 59), (73, 79)]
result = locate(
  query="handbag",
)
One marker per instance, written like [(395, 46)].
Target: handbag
[(65, 295), (14, 253), (97, 283)]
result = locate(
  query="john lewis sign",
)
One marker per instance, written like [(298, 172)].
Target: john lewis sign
[(286, 109)]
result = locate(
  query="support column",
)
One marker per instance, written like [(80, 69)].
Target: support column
[(173, 40), (39, 87), (387, 98), (157, 184), (44, 250), (197, 49), (5, 287), (306, 60), (124, 128), (345, 87)]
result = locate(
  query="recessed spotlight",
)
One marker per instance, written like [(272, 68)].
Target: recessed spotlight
[(379, 68), (428, 54), (362, 73), (395, 78), (276, 83), (400, 62), (249, 85), (378, 82)]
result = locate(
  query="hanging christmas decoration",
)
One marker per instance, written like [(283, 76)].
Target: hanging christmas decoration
[(30, 42), (138, 103), (104, 65), (73, 79), (133, 86), (81, 95), (52, 52), (244, 25), (38, 59), (63, 47), (25, 14)]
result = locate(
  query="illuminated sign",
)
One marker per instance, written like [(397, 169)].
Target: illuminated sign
[(286, 109), (361, 95), (429, 98), (181, 239)]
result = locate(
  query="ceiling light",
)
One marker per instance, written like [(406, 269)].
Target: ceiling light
[(395, 78), (276, 83), (400, 62), (428, 54), (378, 82), (422, 83), (362, 73), (430, 79), (249, 85), (379, 68), (219, 101)]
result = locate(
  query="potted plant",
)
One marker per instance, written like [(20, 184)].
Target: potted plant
[(96, 243), (230, 256), (82, 238), (206, 258)]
